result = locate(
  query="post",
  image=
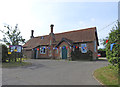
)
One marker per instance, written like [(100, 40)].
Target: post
[(21, 57), (15, 56), (0, 54)]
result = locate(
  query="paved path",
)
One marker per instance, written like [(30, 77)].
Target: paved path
[(53, 72)]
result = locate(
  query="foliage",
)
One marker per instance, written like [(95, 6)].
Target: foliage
[(12, 36), (113, 55), (103, 42), (4, 53), (101, 49)]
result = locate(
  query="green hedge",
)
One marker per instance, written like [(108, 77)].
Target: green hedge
[(113, 55)]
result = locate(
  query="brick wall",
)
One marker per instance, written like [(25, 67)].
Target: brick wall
[(57, 53), (91, 47), (28, 53)]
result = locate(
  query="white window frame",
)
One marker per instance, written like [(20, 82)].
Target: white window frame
[(42, 49), (81, 48)]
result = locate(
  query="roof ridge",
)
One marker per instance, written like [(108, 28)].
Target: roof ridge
[(68, 32), (75, 30), (40, 36)]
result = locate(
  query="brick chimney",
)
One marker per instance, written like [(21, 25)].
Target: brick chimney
[(52, 40), (32, 36), (51, 28)]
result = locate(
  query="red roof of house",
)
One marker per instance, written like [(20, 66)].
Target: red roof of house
[(82, 35)]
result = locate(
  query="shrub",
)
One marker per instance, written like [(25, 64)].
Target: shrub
[(4, 53), (113, 55)]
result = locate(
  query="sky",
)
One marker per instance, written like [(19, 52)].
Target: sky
[(66, 15)]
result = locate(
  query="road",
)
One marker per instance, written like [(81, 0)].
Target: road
[(53, 72)]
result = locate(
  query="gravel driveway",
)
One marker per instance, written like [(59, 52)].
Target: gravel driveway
[(53, 72)]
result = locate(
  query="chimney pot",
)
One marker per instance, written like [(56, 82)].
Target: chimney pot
[(51, 28), (32, 31)]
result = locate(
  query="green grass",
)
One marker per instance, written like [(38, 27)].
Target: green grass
[(14, 64), (107, 76)]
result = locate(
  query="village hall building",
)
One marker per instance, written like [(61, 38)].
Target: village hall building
[(60, 45)]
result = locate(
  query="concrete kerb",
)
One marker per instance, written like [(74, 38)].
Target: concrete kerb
[(97, 79)]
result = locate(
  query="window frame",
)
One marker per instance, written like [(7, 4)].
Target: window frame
[(42, 49), (84, 44), (95, 44)]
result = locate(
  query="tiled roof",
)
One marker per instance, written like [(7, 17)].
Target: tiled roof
[(70, 42), (82, 35)]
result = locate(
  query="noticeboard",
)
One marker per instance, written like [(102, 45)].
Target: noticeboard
[(15, 48)]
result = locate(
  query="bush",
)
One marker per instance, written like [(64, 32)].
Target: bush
[(113, 55), (4, 53)]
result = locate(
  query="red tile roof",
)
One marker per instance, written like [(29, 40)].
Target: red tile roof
[(82, 35)]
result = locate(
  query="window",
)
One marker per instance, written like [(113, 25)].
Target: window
[(42, 37), (42, 50), (84, 48)]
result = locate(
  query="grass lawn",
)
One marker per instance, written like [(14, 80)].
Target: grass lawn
[(14, 64), (107, 76)]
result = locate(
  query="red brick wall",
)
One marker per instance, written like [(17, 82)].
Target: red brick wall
[(58, 55), (91, 47), (27, 53)]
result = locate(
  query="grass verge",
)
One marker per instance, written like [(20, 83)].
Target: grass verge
[(15, 64), (107, 76)]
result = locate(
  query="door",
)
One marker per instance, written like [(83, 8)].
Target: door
[(64, 52), (35, 54)]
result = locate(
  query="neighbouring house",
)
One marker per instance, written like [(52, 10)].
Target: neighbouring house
[(61, 45)]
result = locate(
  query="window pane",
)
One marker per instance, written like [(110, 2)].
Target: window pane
[(43, 50)]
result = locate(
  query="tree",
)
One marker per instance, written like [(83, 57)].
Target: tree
[(101, 49), (4, 53), (103, 41), (113, 55), (12, 36)]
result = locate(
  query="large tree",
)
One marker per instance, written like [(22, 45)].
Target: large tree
[(12, 36)]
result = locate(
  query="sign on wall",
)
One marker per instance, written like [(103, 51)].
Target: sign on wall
[(84, 48), (15, 48)]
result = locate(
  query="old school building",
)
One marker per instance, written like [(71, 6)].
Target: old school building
[(61, 45)]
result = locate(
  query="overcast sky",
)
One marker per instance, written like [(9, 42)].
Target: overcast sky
[(66, 15)]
